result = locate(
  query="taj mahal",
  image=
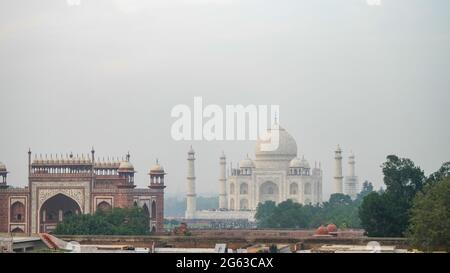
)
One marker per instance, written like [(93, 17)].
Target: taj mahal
[(276, 176)]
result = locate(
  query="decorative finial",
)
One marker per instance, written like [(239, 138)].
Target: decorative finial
[(128, 156)]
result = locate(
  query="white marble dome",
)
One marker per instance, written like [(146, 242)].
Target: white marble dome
[(295, 163), (2, 167), (305, 163), (246, 163), (287, 144)]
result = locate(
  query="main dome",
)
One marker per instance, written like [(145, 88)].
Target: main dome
[(287, 145)]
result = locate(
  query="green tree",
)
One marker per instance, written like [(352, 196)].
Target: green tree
[(387, 213), (430, 217), (367, 188), (376, 215), (402, 178), (118, 221), (264, 213), (337, 199), (439, 175)]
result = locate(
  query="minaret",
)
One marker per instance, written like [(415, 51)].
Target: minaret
[(223, 183), (351, 181), (191, 197), (338, 178), (351, 164)]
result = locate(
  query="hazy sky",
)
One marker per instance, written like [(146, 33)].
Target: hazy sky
[(375, 79)]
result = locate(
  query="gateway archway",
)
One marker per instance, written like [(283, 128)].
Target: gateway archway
[(55, 209)]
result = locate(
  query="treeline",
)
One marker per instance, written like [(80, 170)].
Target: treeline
[(117, 221), (340, 210), (411, 205)]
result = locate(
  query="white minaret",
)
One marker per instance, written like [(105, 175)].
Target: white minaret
[(223, 183), (191, 197), (351, 186), (338, 178), (351, 164)]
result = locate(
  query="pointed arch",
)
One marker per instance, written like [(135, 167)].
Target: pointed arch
[(54, 209), (243, 189), (146, 210), (17, 230), (17, 212), (244, 204), (104, 206), (153, 215), (293, 188)]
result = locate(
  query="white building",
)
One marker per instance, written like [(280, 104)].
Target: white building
[(351, 185), (276, 175)]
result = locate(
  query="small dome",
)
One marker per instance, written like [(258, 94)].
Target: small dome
[(156, 168), (321, 231), (2, 167), (331, 228), (295, 163), (246, 163), (305, 163), (126, 165)]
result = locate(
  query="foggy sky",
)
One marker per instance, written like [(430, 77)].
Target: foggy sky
[(374, 79)]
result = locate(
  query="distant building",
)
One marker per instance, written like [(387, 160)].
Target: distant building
[(349, 186), (66, 185), (276, 176)]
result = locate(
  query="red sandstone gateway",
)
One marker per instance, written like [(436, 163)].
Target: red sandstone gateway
[(59, 186)]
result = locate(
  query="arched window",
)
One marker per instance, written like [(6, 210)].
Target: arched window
[(232, 204), (243, 188), (293, 188), (104, 206), (153, 210), (17, 230), (146, 211), (231, 188), (307, 188), (244, 204), (17, 212)]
